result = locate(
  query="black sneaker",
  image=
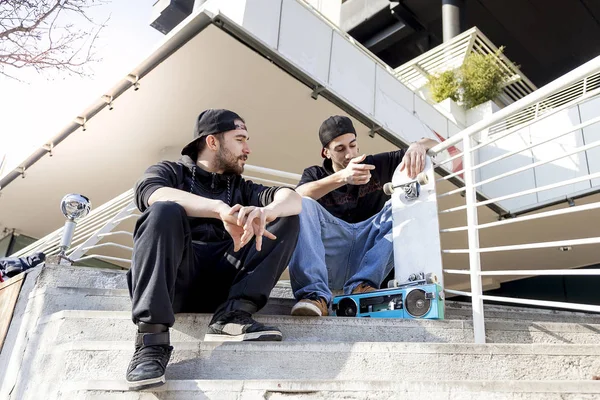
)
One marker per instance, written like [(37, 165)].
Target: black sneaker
[(238, 326), (149, 362)]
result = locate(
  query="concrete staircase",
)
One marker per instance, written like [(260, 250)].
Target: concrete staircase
[(71, 338)]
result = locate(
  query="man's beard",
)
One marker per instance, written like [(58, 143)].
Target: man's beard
[(229, 163)]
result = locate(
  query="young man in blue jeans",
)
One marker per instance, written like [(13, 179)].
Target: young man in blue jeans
[(345, 239)]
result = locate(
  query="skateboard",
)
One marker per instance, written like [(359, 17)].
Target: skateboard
[(416, 232)]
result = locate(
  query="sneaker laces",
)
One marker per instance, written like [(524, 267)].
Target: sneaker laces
[(160, 354)]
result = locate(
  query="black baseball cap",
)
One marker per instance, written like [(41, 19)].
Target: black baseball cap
[(333, 127), (210, 122)]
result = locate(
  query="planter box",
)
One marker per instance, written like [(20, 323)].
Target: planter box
[(453, 111), (480, 113)]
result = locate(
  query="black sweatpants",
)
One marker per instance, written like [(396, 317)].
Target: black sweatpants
[(171, 274)]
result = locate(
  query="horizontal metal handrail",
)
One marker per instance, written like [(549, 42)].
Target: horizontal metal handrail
[(526, 192), (529, 147), (127, 217), (103, 257), (531, 272), (108, 244), (458, 292), (273, 172), (115, 233), (524, 168), (530, 302), (545, 214), (544, 303), (527, 246)]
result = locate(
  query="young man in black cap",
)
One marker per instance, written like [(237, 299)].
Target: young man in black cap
[(345, 237), (199, 246)]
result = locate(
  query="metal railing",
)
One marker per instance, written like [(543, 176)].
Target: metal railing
[(88, 229), (451, 55), (95, 230), (571, 89)]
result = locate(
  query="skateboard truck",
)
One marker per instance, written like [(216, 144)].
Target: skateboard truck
[(415, 280), (411, 188)]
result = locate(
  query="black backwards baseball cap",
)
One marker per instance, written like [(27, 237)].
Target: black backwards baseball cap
[(333, 127), (210, 122)]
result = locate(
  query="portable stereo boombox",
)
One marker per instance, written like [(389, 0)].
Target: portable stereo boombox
[(424, 301)]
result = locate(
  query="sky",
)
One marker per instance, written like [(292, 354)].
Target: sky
[(33, 111)]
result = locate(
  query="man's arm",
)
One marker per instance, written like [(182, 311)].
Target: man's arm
[(194, 206), (320, 188), (254, 219), (285, 203), (427, 143), (414, 158), (354, 174)]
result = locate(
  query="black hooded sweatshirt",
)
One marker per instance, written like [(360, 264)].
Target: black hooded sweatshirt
[(187, 176)]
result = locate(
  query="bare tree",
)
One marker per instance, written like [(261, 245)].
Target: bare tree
[(47, 35)]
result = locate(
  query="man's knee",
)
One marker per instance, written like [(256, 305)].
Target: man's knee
[(165, 211), (309, 205), (161, 217), (312, 210)]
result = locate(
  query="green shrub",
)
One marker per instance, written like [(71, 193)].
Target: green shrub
[(478, 80), (444, 86), (481, 78)]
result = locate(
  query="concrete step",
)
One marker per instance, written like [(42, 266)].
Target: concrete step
[(49, 300), (93, 278), (53, 299), (103, 289), (66, 326), (328, 389), (423, 362)]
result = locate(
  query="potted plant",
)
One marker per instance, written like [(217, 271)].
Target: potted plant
[(479, 80)]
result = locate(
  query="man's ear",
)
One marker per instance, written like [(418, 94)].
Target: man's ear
[(212, 142)]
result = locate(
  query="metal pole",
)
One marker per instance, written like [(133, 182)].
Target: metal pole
[(473, 235), (451, 18)]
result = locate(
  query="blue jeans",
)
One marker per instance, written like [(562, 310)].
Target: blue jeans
[(334, 254)]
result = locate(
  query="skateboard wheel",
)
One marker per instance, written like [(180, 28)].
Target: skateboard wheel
[(431, 278), (422, 178), (388, 188)]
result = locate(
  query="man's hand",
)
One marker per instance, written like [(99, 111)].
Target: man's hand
[(255, 225), (356, 173), (414, 159), (242, 223), (230, 223)]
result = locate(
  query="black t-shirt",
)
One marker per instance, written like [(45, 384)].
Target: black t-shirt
[(356, 203)]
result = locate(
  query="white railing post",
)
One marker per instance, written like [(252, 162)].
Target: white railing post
[(473, 236)]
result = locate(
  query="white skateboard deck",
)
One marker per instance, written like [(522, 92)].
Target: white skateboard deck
[(416, 232)]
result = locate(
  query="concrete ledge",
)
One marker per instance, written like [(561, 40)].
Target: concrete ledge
[(109, 325), (426, 362), (90, 282), (308, 386)]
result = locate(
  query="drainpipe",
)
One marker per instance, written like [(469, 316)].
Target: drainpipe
[(451, 18)]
